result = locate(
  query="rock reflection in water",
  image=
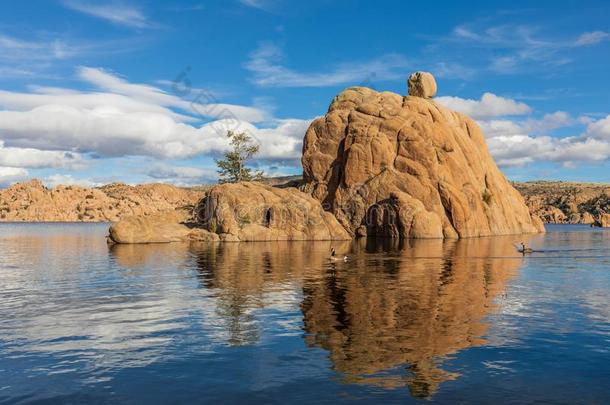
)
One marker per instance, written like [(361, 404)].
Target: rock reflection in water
[(387, 317), (251, 276), (390, 316)]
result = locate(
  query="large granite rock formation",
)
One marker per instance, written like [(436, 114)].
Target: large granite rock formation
[(394, 166), (259, 212), (377, 164)]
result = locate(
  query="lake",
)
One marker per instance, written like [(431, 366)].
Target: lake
[(469, 321)]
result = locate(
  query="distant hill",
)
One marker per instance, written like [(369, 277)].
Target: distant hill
[(560, 202), (31, 201)]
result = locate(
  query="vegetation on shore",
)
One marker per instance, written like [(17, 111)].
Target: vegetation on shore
[(233, 168)]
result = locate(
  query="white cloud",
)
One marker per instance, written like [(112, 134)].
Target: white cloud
[(38, 54), (518, 150), (591, 38), (266, 63), (453, 70), (181, 175), (282, 141), (493, 128), (513, 144), (579, 149), (20, 50), (518, 142), (203, 103), (107, 81), (13, 72), (35, 158), (29, 57), (186, 7), (108, 131), (58, 127), (490, 105), (130, 97), (9, 175), (115, 12), (504, 64), (505, 127), (600, 129), (513, 48), (265, 5), (68, 180), (558, 119), (68, 98)]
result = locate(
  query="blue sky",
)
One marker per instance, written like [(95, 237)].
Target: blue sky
[(142, 91)]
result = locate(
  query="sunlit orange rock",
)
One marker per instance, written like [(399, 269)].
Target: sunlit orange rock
[(394, 166)]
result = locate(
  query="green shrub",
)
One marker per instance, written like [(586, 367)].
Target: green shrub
[(486, 196)]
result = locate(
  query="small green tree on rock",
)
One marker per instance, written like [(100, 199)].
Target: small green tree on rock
[(232, 169)]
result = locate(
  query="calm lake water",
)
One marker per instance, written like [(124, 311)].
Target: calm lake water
[(465, 321)]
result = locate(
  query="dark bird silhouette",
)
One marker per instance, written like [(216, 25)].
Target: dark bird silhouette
[(334, 257)]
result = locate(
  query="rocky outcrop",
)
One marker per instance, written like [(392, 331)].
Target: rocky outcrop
[(31, 201), (377, 164), (259, 212), (393, 166), (603, 221), (236, 212), (171, 226), (559, 202)]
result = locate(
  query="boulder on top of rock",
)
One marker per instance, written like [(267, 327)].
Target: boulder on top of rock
[(393, 166), (258, 212), (422, 84)]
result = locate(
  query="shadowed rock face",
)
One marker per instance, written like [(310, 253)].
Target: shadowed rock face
[(387, 165)]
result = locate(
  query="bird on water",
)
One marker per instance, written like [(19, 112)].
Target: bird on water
[(333, 256), (524, 249)]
